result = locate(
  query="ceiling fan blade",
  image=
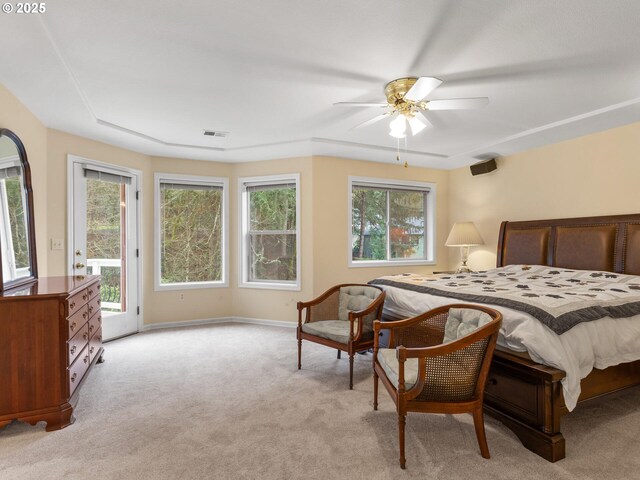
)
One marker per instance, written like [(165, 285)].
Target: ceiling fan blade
[(360, 104), (423, 87), (371, 121), (418, 123), (457, 103)]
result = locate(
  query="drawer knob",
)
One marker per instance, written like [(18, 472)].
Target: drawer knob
[(84, 335), (90, 309), (91, 349), (86, 359), (73, 350), (90, 328), (84, 296), (72, 305), (73, 377), (90, 292), (73, 326), (84, 315)]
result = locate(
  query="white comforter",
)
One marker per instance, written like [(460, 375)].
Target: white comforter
[(595, 344)]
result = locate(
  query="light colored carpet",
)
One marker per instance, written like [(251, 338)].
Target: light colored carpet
[(227, 402)]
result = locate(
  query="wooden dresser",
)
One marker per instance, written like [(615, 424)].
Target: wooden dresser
[(50, 337)]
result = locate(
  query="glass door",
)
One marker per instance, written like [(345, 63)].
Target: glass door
[(105, 227)]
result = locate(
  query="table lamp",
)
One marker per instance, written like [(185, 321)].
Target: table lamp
[(464, 235)]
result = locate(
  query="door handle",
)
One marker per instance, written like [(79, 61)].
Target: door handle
[(79, 265)]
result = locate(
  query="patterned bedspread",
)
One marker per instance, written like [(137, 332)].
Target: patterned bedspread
[(558, 298)]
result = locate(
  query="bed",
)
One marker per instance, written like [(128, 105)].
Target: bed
[(531, 386)]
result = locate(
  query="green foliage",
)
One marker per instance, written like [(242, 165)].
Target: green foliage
[(17, 221), (369, 223), (103, 219), (191, 235), (272, 236)]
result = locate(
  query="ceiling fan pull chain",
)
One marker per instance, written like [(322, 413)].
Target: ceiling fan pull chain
[(406, 164), (398, 149)]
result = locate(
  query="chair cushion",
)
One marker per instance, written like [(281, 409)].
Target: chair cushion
[(389, 362), (355, 298), (463, 321), (336, 330)]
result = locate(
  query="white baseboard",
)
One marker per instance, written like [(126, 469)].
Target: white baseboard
[(264, 321), (210, 321)]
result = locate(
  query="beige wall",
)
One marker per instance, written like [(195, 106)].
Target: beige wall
[(17, 118), (598, 174), (592, 175), (330, 218), (59, 146)]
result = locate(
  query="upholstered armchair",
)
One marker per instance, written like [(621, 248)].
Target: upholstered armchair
[(341, 318), (437, 362)]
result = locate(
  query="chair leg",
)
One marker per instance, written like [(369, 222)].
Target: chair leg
[(375, 390), (478, 421), (401, 424), (339, 354), (351, 370), (299, 353)]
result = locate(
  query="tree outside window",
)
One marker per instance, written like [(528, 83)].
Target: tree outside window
[(389, 222), (270, 232), (191, 232)]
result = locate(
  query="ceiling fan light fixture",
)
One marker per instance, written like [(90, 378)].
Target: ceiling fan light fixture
[(416, 125), (398, 126)]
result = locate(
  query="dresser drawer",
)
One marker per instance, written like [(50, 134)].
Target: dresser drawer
[(95, 323), (94, 306), (94, 345), (78, 369), (77, 301), (77, 343), (77, 320), (93, 290)]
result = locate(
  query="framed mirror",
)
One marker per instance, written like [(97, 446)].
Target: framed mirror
[(17, 228)]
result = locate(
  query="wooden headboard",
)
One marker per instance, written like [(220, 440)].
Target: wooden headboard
[(610, 243)]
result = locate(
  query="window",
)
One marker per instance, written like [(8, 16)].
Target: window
[(191, 231), (270, 232), (392, 222)]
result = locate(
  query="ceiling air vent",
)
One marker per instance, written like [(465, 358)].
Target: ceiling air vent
[(216, 133)]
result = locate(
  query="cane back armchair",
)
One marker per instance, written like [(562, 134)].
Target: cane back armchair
[(437, 362), (341, 318)]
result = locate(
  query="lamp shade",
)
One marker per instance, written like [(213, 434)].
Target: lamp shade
[(464, 234)]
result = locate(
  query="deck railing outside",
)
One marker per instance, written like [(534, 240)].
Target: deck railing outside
[(110, 270)]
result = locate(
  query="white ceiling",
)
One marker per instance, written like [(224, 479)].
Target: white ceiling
[(152, 75)]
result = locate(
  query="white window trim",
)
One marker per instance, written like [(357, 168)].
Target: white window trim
[(243, 272), (430, 225), (195, 180)]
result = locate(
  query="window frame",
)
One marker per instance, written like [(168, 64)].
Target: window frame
[(243, 231), (193, 180), (429, 224)]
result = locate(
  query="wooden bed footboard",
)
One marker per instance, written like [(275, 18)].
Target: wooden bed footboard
[(527, 398)]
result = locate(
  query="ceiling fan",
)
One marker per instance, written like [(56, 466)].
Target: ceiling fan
[(406, 100)]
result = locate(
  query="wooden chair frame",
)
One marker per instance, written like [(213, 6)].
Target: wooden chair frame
[(405, 400), (357, 342)]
